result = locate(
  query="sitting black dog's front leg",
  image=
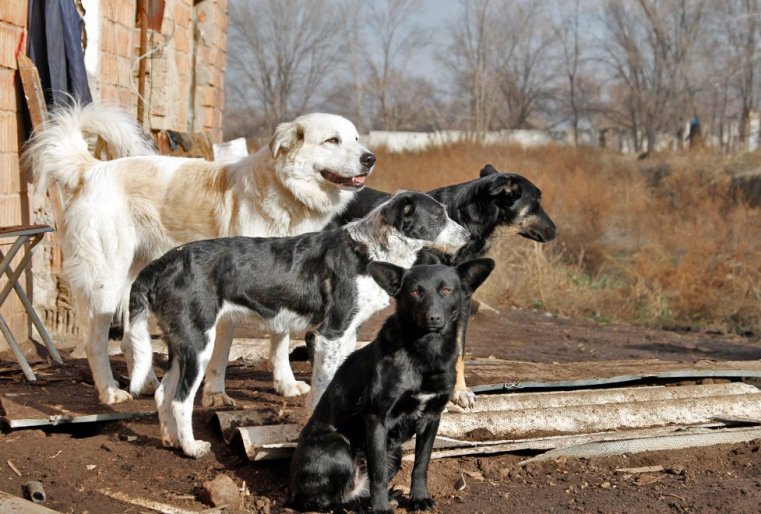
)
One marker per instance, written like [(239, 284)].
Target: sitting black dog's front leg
[(420, 499), (376, 463)]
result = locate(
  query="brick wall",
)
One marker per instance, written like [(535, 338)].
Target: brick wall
[(183, 90), (14, 208), (185, 68)]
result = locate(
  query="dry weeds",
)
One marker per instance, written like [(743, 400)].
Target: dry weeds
[(657, 241)]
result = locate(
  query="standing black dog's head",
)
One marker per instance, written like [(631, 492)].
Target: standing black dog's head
[(513, 204), (418, 217), (430, 296)]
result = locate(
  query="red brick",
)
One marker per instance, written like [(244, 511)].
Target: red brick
[(10, 173), (109, 70), (9, 138), (11, 209), (10, 36), (14, 12), (8, 89)]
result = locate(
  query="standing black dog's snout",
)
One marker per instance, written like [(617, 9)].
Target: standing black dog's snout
[(367, 159)]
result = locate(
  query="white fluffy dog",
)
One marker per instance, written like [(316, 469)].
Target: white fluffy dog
[(119, 215)]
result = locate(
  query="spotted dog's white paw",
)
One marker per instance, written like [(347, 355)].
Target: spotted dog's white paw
[(297, 388), (197, 449)]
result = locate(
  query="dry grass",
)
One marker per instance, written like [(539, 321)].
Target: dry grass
[(657, 241)]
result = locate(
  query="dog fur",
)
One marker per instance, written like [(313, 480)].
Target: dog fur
[(316, 280), (386, 392), (494, 205), (121, 214)]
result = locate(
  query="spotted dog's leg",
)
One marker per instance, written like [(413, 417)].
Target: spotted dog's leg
[(284, 381), (328, 355), (214, 394)]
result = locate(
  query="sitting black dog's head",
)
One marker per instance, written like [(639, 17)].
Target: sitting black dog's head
[(515, 205), (429, 297)]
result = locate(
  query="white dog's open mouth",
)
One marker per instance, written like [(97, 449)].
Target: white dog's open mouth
[(335, 178)]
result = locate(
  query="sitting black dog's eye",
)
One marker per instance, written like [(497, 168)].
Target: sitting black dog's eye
[(415, 293), (332, 140), (445, 291)]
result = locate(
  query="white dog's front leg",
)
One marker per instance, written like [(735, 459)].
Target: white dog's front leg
[(284, 381), (214, 383), (328, 355)]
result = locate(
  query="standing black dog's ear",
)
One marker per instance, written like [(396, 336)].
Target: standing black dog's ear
[(388, 276), (286, 136), (496, 184), (473, 273), (488, 170), (398, 211)]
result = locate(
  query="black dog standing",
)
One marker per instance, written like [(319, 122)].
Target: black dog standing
[(494, 205), (383, 394)]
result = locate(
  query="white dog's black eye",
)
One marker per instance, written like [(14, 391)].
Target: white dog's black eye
[(333, 140)]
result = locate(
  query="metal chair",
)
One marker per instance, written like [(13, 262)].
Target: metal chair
[(24, 234)]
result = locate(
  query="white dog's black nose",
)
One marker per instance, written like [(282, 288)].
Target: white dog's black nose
[(367, 159)]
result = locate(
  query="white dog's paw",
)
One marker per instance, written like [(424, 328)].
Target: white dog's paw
[(289, 389), (197, 449), (217, 400), (114, 395), (464, 398)]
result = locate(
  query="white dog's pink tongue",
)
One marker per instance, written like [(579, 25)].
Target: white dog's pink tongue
[(358, 181)]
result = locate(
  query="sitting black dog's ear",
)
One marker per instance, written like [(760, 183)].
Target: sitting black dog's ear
[(473, 273), (388, 276), (513, 186), (398, 212), (488, 170)]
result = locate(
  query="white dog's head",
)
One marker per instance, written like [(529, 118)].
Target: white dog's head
[(319, 158)]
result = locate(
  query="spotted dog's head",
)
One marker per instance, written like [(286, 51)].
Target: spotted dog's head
[(514, 205), (418, 217), (429, 297), (319, 158)]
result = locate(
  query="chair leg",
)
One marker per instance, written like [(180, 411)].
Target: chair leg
[(16, 350)]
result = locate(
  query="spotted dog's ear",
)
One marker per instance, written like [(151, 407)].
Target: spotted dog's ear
[(286, 137), (388, 276), (398, 211), (488, 170)]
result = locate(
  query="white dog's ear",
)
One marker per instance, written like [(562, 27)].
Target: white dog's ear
[(286, 137)]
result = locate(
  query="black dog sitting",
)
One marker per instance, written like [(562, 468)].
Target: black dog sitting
[(388, 391)]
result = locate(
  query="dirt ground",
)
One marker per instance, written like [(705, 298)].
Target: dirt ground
[(82, 465)]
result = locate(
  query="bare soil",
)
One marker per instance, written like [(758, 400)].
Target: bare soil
[(80, 464)]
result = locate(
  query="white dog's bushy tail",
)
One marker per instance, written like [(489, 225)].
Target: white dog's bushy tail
[(57, 151), (140, 337)]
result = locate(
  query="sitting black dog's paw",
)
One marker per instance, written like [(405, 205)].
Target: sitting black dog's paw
[(421, 503)]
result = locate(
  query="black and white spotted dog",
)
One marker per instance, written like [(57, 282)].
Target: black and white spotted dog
[(386, 392), (317, 280)]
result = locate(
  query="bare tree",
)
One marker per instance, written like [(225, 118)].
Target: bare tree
[(471, 58), (523, 69), (397, 39), (738, 29), (652, 51), (284, 50)]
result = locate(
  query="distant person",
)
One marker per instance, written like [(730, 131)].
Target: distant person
[(694, 136)]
